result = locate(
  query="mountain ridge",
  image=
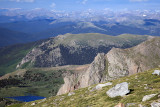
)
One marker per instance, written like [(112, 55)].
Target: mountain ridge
[(79, 48), (115, 64)]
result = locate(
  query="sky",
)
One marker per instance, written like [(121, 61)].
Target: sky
[(78, 5)]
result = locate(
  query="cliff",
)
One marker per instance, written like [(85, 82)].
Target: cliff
[(115, 64)]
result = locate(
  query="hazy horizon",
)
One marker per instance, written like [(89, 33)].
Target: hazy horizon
[(81, 5)]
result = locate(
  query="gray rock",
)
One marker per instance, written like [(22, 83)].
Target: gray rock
[(147, 97), (155, 104), (71, 93), (157, 72), (100, 86), (130, 104), (140, 105), (33, 104), (119, 90)]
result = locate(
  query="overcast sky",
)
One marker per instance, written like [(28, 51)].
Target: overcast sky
[(77, 5)]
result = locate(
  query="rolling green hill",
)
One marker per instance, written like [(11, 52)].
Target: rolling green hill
[(10, 37), (10, 56)]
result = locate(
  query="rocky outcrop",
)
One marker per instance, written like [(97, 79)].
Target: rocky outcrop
[(122, 62), (30, 57), (72, 80), (118, 63), (93, 74)]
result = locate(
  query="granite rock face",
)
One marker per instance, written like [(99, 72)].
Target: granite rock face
[(121, 62), (95, 73), (92, 74), (119, 90)]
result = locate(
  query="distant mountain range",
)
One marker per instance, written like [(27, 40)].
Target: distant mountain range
[(27, 31)]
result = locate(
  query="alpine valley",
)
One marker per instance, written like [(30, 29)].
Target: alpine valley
[(107, 60)]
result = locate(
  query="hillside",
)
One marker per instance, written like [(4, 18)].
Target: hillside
[(140, 84), (77, 49), (10, 37), (12, 55), (34, 81), (117, 66)]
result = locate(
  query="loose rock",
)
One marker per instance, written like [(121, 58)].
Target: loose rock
[(33, 104), (140, 105), (119, 90), (155, 104), (147, 97), (100, 86), (71, 93), (130, 104)]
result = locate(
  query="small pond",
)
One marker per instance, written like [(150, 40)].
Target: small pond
[(26, 98)]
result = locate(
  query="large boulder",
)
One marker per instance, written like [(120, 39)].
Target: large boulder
[(119, 90), (148, 97), (156, 72)]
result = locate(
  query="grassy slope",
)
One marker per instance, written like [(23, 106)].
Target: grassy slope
[(10, 37), (10, 56), (37, 82), (96, 39), (83, 97)]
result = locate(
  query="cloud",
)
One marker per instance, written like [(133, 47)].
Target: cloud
[(84, 1), (11, 8), (23, 0), (53, 5), (138, 0)]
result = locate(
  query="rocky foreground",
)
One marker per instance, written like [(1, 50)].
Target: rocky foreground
[(139, 90)]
